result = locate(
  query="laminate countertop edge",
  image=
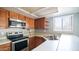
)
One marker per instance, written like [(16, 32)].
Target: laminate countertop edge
[(4, 41)]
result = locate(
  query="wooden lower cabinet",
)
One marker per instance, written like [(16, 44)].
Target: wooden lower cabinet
[(39, 40), (5, 47), (32, 43), (35, 41)]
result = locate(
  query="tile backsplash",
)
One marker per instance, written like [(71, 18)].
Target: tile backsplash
[(3, 31)]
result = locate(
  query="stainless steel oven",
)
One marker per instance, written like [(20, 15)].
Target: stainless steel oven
[(20, 44), (19, 41)]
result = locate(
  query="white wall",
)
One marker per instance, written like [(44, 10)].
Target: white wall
[(50, 24), (76, 24)]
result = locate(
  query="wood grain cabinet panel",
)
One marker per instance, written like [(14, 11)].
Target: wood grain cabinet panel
[(21, 17), (30, 22), (39, 40), (40, 23), (3, 18), (5, 15), (5, 47), (32, 43), (35, 41), (13, 15)]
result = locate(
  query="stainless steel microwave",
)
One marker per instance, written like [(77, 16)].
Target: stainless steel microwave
[(17, 23)]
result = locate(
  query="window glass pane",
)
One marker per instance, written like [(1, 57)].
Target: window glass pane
[(67, 23), (63, 23), (57, 24)]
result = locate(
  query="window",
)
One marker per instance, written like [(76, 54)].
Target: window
[(63, 23), (57, 26)]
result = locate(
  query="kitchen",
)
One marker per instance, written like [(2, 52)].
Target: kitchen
[(39, 28)]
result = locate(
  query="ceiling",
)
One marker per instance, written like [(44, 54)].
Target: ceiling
[(40, 11), (31, 9), (64, 11), (37, 12), (34, 12)]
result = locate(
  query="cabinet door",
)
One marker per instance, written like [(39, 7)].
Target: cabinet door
[(40, 23), (13, 15), (32, 43), (5, 47), (39, 40), (21, 17), (30, 22), (3, 18), (35, 41), (37, 24)]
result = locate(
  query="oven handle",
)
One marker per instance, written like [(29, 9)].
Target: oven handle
[(20, 40)]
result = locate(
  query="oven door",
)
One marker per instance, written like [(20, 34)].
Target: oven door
[(19, 45)]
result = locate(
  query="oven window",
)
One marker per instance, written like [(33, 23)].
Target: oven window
[(20, 45)]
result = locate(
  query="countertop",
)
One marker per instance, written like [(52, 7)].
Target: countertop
[(4, 40), (48, 45), (68, 43), (65, 43)]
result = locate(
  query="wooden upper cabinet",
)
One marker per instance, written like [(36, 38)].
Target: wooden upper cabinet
[(5, 15), (3, 18), (21, 17), (40, 23), (13, 15), (30, 22)]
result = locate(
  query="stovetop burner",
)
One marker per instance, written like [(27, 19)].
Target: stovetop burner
[(16, 37)]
